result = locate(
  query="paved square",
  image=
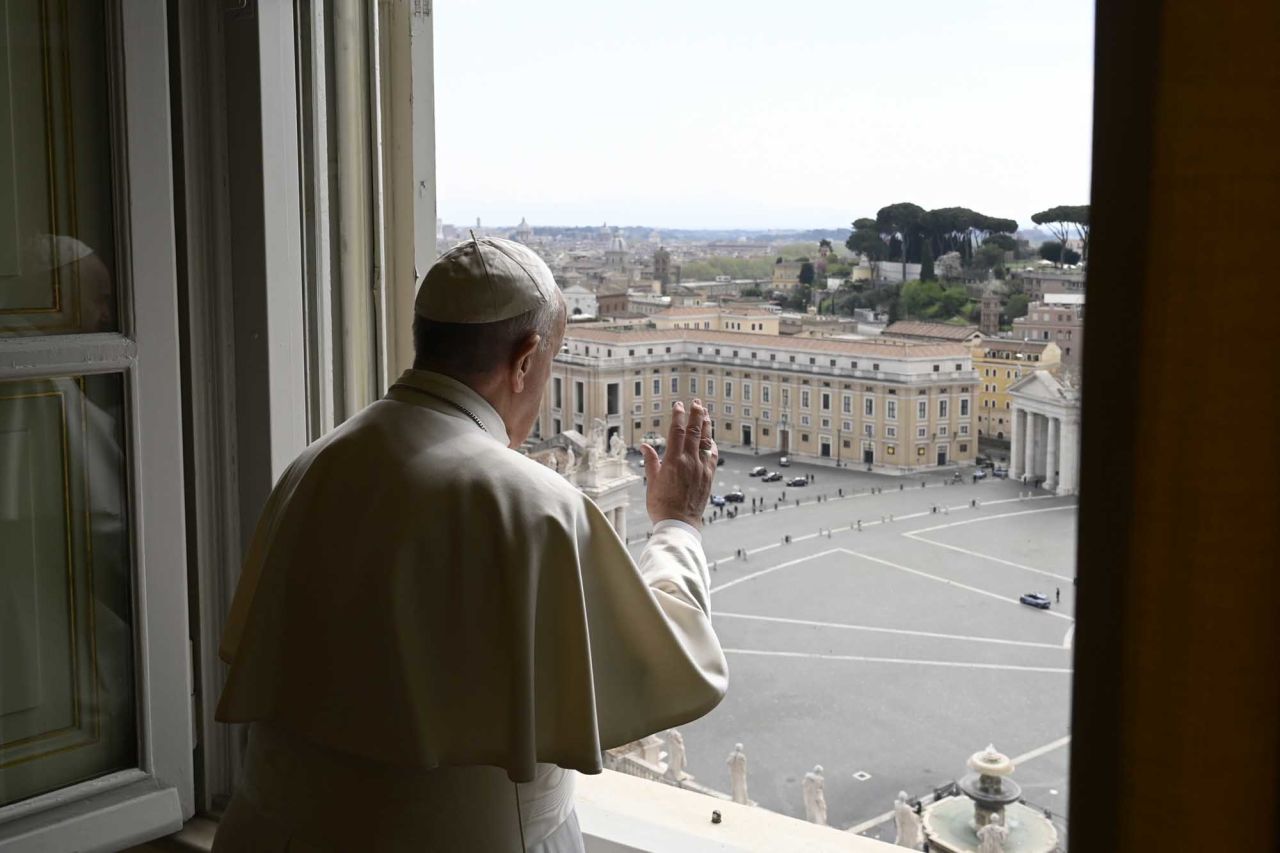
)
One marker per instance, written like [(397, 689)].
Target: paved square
[(886, 654)]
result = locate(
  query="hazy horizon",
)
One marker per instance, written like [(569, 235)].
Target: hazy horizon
[(716, 115)]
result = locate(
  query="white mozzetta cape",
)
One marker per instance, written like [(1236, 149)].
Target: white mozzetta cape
[(416, 593)]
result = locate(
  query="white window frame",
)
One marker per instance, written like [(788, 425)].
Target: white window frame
[(804, 398), (134, 805)]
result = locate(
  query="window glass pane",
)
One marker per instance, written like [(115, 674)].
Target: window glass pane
[(57, 267), (66, 616)]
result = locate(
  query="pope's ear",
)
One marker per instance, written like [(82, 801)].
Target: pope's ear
[(522, 361)]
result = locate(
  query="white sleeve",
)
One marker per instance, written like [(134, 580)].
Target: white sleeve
[(673, 562)]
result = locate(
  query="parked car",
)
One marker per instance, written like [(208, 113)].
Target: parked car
[(785, 462), (983, 460), (758, 471), (1034, 599), (736, 496), (717, 500), (1000, 472), (980, 474), (771, 477), (798, 481)]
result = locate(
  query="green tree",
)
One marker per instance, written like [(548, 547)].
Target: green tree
[(805, 275), (901, 221), (991, 256), (1016, 306), (1061, 220), (926, 262), (1004, 241), (1051, 250)]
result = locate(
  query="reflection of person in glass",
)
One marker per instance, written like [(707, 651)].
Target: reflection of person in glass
[(65, 603), (62, 286)]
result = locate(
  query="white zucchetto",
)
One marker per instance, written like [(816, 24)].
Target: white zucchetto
[(484, 280)]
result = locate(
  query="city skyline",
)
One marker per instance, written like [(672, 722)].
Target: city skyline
[(722, 116)]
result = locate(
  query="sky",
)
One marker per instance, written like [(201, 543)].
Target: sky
[(749, 114)]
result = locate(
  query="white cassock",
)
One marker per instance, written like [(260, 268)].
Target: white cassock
[(425, 617)]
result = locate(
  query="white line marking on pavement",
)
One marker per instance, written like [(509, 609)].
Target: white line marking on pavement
[(865, 659), (988, 518), (848, 627), (915, 534), (859, 828), (1071, 632), (947, 581), (772, 569), (1042, 750)]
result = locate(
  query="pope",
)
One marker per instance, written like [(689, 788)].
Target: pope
[(432, 633)]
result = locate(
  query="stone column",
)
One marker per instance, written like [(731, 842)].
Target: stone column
[(1069, 464), (620, 523), (1016, 443), (1029, 445), (1051, 457)]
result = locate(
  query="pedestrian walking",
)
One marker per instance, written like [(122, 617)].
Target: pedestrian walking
[(1057, 594)]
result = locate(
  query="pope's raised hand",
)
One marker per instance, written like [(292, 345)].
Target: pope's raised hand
[(680, 483)]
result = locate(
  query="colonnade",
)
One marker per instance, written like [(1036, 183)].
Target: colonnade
[(1045, 448)]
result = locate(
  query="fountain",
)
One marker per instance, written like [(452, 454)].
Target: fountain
[(952, 824)]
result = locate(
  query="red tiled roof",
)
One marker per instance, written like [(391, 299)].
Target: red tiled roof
[(940, 331)]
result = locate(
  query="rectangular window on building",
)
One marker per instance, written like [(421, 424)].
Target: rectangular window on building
[(728, 408), (555, 392), (922, 410), (675, 384), (869, 407), (639, 389), (964, 407), (786, 398), (826, 402), (804, 398), (848, 404), (764, 394), (746, 392), (804, 421), (555, 426), (657, 387), (613, 399), (891, 409), (890, 432), (693, 385), (728, 390), (579, 397), (711, 387), (942, 407), (846, 425)]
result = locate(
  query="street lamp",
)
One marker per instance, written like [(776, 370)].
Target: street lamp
[(755, 437)]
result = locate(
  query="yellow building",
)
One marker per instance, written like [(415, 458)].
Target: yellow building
[(1000, 363), (896, 405)]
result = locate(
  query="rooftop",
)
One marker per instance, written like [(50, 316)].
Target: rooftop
[(871, 347), (938, 331)]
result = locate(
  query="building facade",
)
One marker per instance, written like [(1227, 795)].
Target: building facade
[(719, 319), (1000, 363), (898, 406), (1059, 319), (1046, 431)]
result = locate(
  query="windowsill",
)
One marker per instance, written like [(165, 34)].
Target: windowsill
[(626, 814)]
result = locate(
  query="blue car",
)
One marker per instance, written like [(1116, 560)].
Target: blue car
[(717, 500), (1034, 599)]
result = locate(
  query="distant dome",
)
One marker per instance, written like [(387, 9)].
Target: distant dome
[(618, 244)]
